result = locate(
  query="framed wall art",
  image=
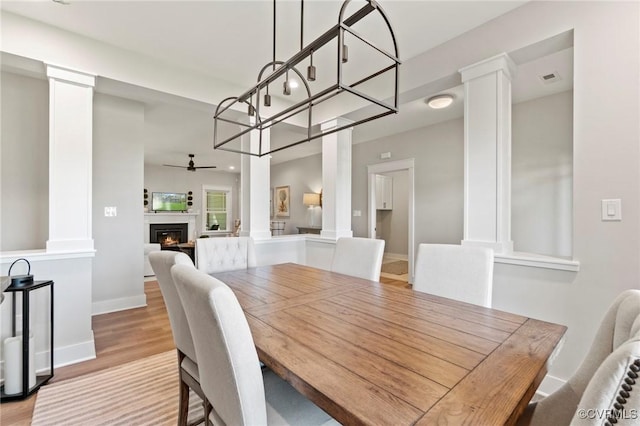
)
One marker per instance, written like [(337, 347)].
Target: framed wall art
[(282, 201)]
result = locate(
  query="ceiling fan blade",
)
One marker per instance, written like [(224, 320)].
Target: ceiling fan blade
[(171, 165), (206, 167)]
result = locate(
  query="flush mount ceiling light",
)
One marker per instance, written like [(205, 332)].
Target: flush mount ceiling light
[(369, 79), (440, 101)]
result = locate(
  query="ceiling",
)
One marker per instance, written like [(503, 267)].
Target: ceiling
[(232, 40)]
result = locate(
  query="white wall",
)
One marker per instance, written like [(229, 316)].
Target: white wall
[(24, 167), (73, 336), (118, 157), (171, 179)]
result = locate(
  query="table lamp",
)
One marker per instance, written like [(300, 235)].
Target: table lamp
[(311, 200)]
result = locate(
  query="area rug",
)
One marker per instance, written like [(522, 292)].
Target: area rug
[(142, 392), (399, 267)]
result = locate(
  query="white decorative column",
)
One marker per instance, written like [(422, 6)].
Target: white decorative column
[(336, 181), (70, 159), (487, 153), (255, 178)]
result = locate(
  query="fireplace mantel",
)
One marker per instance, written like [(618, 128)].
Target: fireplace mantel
[(170, 217)]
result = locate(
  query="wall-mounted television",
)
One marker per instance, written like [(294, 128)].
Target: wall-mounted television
[(168, 202)]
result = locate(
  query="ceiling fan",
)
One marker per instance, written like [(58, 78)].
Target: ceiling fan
[(191, 167)]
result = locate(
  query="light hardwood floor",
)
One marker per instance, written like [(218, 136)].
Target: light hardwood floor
[(120, 337)]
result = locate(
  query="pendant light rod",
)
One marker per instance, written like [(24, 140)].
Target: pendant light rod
[(301, 24), (325, 38), (274, 35)]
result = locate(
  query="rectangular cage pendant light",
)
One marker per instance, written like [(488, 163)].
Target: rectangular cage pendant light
[(374, 94)]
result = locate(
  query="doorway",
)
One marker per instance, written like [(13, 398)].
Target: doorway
[(375, 215)]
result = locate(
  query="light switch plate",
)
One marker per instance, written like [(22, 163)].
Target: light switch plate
[(612, 210), (110, 211), (357, 213)]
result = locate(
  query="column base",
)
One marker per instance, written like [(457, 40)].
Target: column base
[(334, 235)]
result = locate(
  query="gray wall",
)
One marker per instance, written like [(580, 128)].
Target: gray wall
[(118, 157), (542, 172), (438, 154), (392, 225), (170, 179), (24, 167), (302, 175)]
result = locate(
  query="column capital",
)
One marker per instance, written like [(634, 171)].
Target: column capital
[(336, 122), (71, 76), (501, 62)]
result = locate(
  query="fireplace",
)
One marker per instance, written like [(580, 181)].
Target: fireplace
[(169, 235)]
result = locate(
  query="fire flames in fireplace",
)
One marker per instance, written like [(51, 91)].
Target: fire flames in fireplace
[(169, 241), (169, 235)]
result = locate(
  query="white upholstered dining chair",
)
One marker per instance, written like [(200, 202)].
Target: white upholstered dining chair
[(616, 328), (161, 263), (230, 374), (358, 257), (462, 273), (219, 254), (614, 388)]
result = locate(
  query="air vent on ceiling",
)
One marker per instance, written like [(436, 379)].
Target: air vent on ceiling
[(549, 78)]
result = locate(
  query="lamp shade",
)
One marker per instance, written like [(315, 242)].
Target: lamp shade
[(311, 199)]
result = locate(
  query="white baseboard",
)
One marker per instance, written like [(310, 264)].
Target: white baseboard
[(114, 305), (68, 355)]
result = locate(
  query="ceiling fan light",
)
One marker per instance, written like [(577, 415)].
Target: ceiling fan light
[(440, 101)]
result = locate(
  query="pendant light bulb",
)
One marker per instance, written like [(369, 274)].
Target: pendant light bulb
[(345, 53), (311, 70), (267, 98), (286, 87), (251, 110)]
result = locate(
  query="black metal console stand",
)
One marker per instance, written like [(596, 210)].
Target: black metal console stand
[(43, 378)]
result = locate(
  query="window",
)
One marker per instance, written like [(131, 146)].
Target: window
[(217, 208)]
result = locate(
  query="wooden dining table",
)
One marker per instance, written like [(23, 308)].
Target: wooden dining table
[(377, 354)]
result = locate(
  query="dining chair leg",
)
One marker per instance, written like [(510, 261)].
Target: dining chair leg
[(207, 411), (183, 398), (183, 404)]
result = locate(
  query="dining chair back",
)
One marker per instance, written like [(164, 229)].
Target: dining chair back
[(230, 372), (457, 272), (161, 263), (619, 324), (358, 257), (613, 390), (219, 254)]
